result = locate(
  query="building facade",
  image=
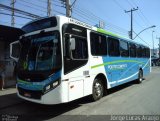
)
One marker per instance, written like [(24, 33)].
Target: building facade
[(8, 35)]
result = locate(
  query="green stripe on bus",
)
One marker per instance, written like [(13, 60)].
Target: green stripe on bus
[(21, 81), (109, 33), (114, 62), (106, 32)]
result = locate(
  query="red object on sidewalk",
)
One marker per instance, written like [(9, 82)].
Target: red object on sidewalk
[(1, 84)]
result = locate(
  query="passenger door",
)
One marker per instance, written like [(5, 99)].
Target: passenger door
[(76, 68)]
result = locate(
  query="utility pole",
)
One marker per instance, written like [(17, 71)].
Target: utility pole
[(159, 45), (131, 32), (68, 8), (12, 17), (49, 10), (153, 43)]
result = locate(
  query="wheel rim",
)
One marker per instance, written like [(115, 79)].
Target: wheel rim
[(98, 89)]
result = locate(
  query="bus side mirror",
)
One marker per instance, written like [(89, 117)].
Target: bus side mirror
[(55, 41), (72, 44), (15, 50), (71, 47)]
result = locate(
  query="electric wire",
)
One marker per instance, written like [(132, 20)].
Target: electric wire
[(16, 16)]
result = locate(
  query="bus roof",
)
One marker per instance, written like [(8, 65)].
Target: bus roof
[(80, 23)]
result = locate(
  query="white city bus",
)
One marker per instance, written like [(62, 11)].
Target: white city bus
[(62, 59)]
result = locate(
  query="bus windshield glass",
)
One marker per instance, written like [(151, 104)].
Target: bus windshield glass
[(40, 24), (40, 52)]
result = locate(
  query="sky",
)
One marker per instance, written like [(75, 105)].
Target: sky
[(111, 12)]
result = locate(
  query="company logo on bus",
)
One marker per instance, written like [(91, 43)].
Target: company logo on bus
[(80, 23), (117, 67)]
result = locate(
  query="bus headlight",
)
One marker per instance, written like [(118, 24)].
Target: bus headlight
[(51, 86), (48, 87), (55, 83)]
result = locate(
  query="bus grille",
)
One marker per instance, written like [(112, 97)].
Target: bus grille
[(30, 93)]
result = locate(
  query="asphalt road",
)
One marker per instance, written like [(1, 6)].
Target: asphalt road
[(128, 99)]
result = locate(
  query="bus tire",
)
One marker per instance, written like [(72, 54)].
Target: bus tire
[(98, 89), (140, 76)]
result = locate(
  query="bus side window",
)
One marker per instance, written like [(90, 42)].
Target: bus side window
[(147, 52), (143, 52), (124, 51), (132, 49), (81, 50), (139, 51), (113, 47), (98, 44)]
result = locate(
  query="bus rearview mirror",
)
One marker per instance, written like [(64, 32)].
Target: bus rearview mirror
[(72, 44), (55, 41), (15, 50)]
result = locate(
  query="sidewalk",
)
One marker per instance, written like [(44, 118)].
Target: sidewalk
[(8, 91), (8, 97)]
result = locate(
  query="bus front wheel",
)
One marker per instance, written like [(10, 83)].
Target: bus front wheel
[(98, 89)]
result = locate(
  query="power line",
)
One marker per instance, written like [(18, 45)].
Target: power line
[(141, 38), (73, 3), (93, 21), (58, 12), (97, 19), (31, 3), (8, 23), (44, 9), (19, 11), (32, 7), (85, 17), (140, 15), (116, 2), (120, 6), (130, 3), (84, 13), (145, 18), (15, 15)]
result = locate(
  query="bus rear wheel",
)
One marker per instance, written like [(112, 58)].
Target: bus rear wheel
[(98, 89), (140, 76)]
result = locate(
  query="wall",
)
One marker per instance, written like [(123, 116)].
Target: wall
[(7, 61)]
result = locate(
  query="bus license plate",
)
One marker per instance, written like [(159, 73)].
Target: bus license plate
[(27, 95)]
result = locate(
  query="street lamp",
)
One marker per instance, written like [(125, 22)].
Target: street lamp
[(144, 30), (153, 42)]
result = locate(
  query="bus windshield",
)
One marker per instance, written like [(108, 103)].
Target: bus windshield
[(40, 52)]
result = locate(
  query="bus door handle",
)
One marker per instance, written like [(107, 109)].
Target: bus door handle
[(87, 76)]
